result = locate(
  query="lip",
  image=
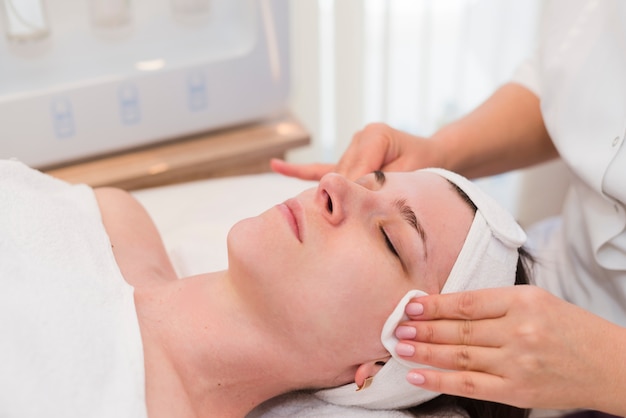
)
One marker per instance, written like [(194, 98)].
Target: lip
[(292, 211)]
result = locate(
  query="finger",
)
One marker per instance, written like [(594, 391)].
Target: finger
[(353, 168), (474, 304), (397, 166), (474, 385), (365, 154), (301, 171), (483, 333), (451, 357)]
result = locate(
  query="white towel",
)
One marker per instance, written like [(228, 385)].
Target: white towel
[(69, 338), (487, 259), (306, 405)]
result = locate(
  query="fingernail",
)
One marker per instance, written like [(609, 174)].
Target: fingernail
[(414, 308), (406, 350), (406, 333), (415, 378)]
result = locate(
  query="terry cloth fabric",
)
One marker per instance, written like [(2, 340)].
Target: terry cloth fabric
[(307, 405), (487, 259), (70, 344)]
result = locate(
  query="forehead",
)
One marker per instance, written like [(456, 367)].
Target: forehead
[(433, 198), (423, 191), (420, 184), (443, 213)]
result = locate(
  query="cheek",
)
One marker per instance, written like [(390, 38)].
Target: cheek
[(352, 296), (350, 270)]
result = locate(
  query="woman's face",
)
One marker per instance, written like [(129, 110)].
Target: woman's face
[(332, 263)]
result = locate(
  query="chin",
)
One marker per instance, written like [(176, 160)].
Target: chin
[(253, 250), (242, 241)]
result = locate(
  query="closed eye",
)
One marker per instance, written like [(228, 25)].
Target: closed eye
[(389, 243)]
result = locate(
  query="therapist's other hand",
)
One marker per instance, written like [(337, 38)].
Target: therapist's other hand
[(376, 147), (520, 345), (381, 147), (302, 171)]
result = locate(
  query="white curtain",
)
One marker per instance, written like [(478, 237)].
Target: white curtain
[(414, 64)]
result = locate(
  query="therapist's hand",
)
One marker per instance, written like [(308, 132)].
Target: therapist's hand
[(376, 147), (518, 345)]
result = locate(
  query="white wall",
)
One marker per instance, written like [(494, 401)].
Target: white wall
[(415, 64)]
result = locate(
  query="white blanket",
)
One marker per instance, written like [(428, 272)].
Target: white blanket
[(69, 338)]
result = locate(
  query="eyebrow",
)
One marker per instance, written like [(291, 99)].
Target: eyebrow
[(408, 214)]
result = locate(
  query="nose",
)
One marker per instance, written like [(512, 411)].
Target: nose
[(337, 196)]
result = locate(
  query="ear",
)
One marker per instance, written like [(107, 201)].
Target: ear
[(368, 370)]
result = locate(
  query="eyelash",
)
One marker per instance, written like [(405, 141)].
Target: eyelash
[(389, 243)]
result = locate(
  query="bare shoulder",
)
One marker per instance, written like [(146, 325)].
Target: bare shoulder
[(137, 245)]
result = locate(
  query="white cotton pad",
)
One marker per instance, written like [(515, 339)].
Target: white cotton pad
[(389, 387)]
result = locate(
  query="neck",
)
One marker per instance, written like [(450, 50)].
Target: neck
[(209, 354)]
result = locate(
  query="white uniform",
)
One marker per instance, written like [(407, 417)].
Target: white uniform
[(579, 73)]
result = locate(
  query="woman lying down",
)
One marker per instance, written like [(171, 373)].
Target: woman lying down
[(95, 322)]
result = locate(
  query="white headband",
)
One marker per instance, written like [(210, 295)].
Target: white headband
[(487, 259)]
